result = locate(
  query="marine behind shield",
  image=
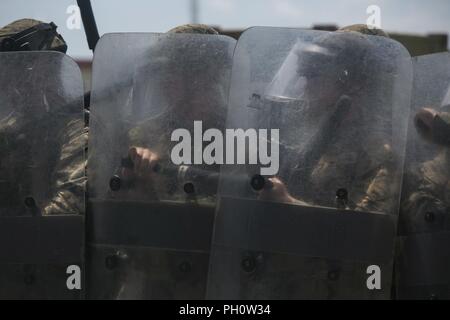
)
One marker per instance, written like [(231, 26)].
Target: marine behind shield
[(151, 220), (42, 178), (422, 260)]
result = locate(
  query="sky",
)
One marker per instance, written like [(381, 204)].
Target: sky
[(405, 16)]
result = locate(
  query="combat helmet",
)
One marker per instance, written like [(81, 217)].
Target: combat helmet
[(364, 29)]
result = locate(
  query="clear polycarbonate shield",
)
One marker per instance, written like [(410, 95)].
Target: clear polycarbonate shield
[(308, 198), (423, 258), (42, 143), (152, 193)]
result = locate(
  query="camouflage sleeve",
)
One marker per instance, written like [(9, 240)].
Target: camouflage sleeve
[(69, 176), (380, 193)]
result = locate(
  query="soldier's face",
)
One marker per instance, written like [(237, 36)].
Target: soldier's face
[(323, 76)]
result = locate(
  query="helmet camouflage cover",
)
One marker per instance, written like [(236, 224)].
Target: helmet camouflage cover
[(30, 34), (194, 28)]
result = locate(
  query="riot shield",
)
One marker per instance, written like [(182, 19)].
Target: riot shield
[(42, 180), (310, 213), (150, 213), (423, 259)]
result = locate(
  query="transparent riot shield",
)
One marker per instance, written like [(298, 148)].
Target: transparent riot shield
[(151, 205), (42, 178), (423, 258), (310, 190)]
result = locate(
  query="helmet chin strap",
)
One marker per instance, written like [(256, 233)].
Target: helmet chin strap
[(38, 37)]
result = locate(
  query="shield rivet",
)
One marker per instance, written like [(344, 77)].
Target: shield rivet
[(429, 217)]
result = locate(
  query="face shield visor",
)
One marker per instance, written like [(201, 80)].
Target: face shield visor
[(305, 67)]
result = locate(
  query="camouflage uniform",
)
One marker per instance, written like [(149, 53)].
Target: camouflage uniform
[(68, 175), (432, 192), (427, 187)]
